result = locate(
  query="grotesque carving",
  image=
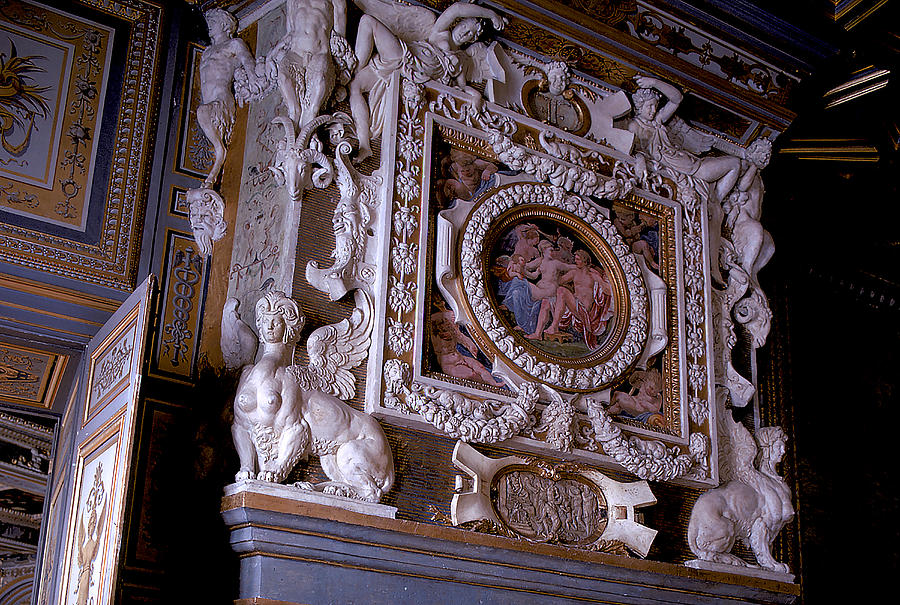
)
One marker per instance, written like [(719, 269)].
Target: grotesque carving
[(295, 159), (305, 56), (207, 215), (395, 37), (283, 412), (225, 61), (754, 505), (354, 217), (743, 208)]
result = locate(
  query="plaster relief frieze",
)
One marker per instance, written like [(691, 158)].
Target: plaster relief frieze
[(566, 504)]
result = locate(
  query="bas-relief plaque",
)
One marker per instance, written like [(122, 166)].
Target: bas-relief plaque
[(184, 270), (111, 366), (89, 559)]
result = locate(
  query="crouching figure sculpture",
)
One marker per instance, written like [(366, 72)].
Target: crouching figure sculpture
[(754, 505), (284, 412)]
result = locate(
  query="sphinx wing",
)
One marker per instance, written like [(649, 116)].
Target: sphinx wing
[(238, 342), (336, 349), (737, 449)]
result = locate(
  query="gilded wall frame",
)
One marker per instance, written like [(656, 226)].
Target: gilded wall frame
[(435, 275), (86, 221)]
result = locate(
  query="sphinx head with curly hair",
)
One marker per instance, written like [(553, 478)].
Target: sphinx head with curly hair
[(278, 318)]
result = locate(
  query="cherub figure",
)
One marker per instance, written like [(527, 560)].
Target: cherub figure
[(219, 67), (645, 401), (392, 37), (445, 336), (284, 412), (467, 175), (557, 74)]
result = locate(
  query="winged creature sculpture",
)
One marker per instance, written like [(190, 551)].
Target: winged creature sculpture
[(285, 412), (753, 504)]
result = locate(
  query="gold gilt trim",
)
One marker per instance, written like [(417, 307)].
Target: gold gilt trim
[(111, 260), (48, 383), (641, 54), (865, 15), (59, 293), (270, 503)]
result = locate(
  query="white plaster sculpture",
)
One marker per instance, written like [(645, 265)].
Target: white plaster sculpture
[(238, 342), (225, 63), (753, 505), (284, 412), (743, 208), (394, 37), (305, 58), (656, 144), (295, 159), (648, 459), (207, 216), (466, 418), (557, 74), (538, 502), (354, 217)]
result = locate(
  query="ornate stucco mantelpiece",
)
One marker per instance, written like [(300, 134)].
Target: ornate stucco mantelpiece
[(549, 251)]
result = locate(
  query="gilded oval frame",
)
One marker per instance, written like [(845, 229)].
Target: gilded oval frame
[(507, 204)]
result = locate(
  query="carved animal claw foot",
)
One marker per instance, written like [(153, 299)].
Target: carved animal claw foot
[(344, 491), (270, 476), (243, 475), (305, 485)]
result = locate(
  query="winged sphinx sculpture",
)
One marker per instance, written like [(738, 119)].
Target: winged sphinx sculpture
[(285, 412), (753, 504)]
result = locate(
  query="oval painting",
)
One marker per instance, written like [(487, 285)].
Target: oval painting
[(550, 287)]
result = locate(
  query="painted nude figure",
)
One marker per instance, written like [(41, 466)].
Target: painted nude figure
[(306, 69), (589, 307), (644, 398), (549, 268), (219, 64), (445, 336), (468, 175), (426, 47)]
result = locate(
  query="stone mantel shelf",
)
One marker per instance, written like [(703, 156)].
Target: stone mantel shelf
[(298, 552)]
